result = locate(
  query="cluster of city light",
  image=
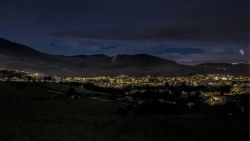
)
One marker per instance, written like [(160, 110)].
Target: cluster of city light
[(240, 84)]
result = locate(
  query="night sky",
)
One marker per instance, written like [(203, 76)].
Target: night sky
[(188, 31)]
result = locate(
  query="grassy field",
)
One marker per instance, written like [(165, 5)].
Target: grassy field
[(91, 120)]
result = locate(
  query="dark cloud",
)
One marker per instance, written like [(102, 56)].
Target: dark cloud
[(202, 33), (163, 49), (52, 44), (107, 47), (187, 27), (194, 33)]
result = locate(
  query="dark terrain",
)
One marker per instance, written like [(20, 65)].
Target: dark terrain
[(16, 56), (44, 119)]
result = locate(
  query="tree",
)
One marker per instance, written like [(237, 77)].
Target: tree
[(167, 86), (224, 89), (71, 92)]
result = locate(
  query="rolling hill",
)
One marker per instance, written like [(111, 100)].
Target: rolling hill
[(17, 56)]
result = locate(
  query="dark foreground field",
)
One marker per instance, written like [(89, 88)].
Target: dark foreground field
[(91, 120)]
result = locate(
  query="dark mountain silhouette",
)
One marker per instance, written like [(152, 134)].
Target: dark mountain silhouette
[(17, 50), (226, 68), (17, 56)]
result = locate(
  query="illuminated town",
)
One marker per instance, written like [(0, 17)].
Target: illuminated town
[(239, 85)]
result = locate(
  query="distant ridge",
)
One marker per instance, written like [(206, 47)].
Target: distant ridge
[(14, 49), (17, 56)]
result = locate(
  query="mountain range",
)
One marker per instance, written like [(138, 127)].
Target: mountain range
[(17, 56)]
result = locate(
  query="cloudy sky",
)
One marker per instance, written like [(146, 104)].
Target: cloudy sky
[(188, 31)]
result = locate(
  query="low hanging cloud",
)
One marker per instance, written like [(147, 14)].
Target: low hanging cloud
[(209, 33), (163, 49), (107, 47)]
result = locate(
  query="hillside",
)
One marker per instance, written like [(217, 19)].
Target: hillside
[(17, 56)]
